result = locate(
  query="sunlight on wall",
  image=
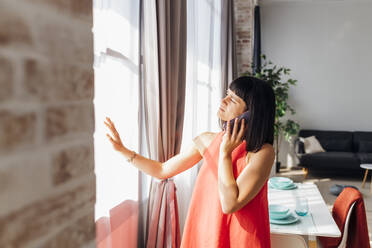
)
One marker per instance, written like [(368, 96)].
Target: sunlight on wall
[(116, 96), (115, 31), (116, 180)]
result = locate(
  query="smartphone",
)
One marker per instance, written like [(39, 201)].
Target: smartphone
[(244, 116)]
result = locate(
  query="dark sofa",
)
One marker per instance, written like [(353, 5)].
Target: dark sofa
[(345, 151)]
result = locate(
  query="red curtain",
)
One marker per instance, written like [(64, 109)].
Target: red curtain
[(120, 229)]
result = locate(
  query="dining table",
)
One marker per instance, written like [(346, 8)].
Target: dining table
[(317, 222)]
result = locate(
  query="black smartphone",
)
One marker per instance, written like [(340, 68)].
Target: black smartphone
[(244, 116)]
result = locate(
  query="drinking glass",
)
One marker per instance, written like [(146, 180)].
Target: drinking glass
[(302, 206)]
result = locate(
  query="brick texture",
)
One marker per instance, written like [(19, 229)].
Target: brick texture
[(14, 30), (71, 163), (35, 220), (81, 9), (57, 82), (244, 34), (6, 78), (47, 181), (66, 45), (74, 236), (24, 179), (68, 120), (16, 130)]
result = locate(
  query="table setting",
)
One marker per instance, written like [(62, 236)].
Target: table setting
[(282, 183), (281, 214), (299, 209)]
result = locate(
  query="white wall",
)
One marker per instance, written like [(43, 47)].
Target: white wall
[(328, 46)]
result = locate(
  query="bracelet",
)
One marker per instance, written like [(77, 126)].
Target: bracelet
[(131, 158)]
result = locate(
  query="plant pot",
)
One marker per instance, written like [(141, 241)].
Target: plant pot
[(277, 167)]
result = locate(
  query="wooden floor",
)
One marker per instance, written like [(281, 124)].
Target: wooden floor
[(325, 182)]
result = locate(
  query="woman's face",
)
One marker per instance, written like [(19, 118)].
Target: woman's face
[(231, 106)]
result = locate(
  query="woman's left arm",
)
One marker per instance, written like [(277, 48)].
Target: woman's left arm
[(234, 194)]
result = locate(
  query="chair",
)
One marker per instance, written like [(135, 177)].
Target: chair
[(344, 236), (349, 214), (287, 241)]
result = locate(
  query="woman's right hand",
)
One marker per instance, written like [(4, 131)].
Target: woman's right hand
[(115, 140)]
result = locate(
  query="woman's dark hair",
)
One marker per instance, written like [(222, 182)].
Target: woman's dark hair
[(259, 98)]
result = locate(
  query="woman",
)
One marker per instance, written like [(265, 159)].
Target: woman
[(229, 205)]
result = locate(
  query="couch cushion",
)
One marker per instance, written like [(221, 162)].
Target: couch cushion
[(338, 145), (331, 140), (330, 160), (365, 146), (311, 144), (360, 136), (365, 158)]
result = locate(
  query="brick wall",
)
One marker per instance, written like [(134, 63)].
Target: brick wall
[(47, 180), (244, 33)]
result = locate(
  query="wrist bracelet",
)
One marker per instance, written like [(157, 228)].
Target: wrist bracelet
[(131, 158)]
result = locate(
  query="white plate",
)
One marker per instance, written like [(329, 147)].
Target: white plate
[(289, 220), (279, 216), (278, 209), (292, 186), (281, 180)]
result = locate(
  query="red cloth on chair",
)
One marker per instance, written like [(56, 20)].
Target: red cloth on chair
[(357, 236)]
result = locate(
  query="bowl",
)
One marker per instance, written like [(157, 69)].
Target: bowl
[(281, 180), (279, 216), (278, 209)]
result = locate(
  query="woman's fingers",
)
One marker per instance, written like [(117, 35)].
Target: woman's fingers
[(109, 120), (241, 131), (113, 131), (112, 128), (111, 139), (228, 127), (108, 125), (234, 133)]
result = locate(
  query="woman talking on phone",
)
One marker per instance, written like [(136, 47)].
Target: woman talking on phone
[(229, 206)]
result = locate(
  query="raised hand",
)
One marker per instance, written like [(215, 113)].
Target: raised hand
[(115, 139), (231, 140)]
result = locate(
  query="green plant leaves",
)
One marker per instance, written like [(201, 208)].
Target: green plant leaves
[(274, 74)]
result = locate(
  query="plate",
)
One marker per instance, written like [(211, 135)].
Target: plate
[(291, 186), (280, 216), (289, 220), (281, 180), (278, 209)]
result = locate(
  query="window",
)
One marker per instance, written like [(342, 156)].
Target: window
[(116, 68)]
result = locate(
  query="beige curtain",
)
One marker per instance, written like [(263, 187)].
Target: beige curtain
[(228, 54), (164, 41)]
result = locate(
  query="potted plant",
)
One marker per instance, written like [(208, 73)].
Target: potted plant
[(278, 77)]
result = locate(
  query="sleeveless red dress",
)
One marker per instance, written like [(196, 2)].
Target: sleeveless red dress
[(207, 226)]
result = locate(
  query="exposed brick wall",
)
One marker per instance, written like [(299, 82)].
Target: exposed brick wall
[(47, 180), (244, 33)]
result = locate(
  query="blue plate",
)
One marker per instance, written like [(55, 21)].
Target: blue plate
[(278, 209), (289, 220), (281, 180), (276, 216), (288, 187)]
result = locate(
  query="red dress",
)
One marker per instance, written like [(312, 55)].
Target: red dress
[(207, 226)]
